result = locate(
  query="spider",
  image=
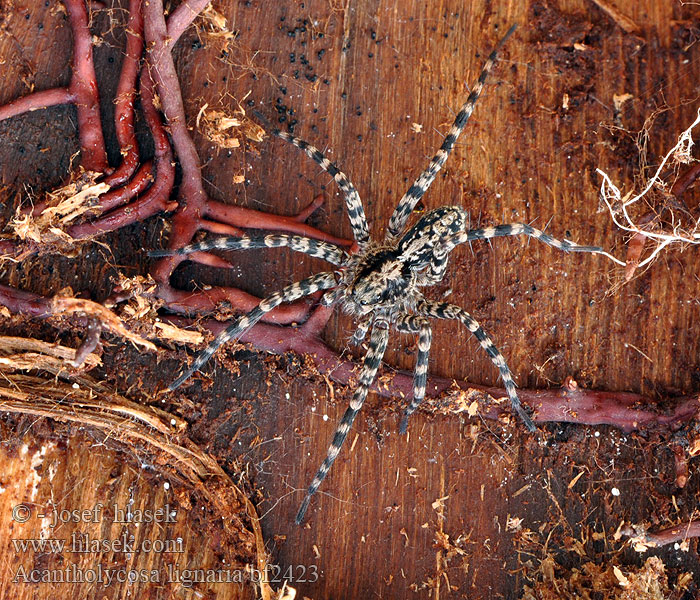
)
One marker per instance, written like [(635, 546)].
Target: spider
[(380, 283)]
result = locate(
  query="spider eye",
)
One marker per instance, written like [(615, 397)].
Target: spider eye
[(368, 299), (367, 294)]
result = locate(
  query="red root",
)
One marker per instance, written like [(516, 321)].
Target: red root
[(686, 180), (36, 101), (624, 410), (635, 246), (24, 303), (7, 248), (156, 199), (253, 219), (118, 196), (681, 464), (183, 16), (670, 535), (82, 92), (187, 302), (682, 532), (92, 339), (126, 94), (196, 210), (83, 86), (634, 251), (148, 191), (123, 118)]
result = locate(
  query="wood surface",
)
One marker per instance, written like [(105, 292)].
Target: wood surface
[(429, 515)]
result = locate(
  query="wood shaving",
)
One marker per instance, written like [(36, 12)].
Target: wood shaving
[(439, 504), (625, 23), (605, 582), (66, 204), (620, 99), (176, 334), (62, 305), (514, 523), (226, 131)]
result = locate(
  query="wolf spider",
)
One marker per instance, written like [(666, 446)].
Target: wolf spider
[(380, 283)]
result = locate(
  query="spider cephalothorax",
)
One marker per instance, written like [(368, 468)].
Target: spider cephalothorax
[(381, 282), (385, 278)]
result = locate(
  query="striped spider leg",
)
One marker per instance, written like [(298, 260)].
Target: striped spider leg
[(373, 358), (443, 310), (408, 202), (522, 229), (434, 273), (316, 248), (356, 212), (322, 281), (305, 287), (421, 326)]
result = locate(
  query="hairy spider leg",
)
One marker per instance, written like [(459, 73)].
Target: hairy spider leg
[(443, 310), (408, 202), (437, 267), (356, 212), (318, 249), (321, 281), (521, 229), (373, 358), (331, 296), (361, 331), (421, 326)]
